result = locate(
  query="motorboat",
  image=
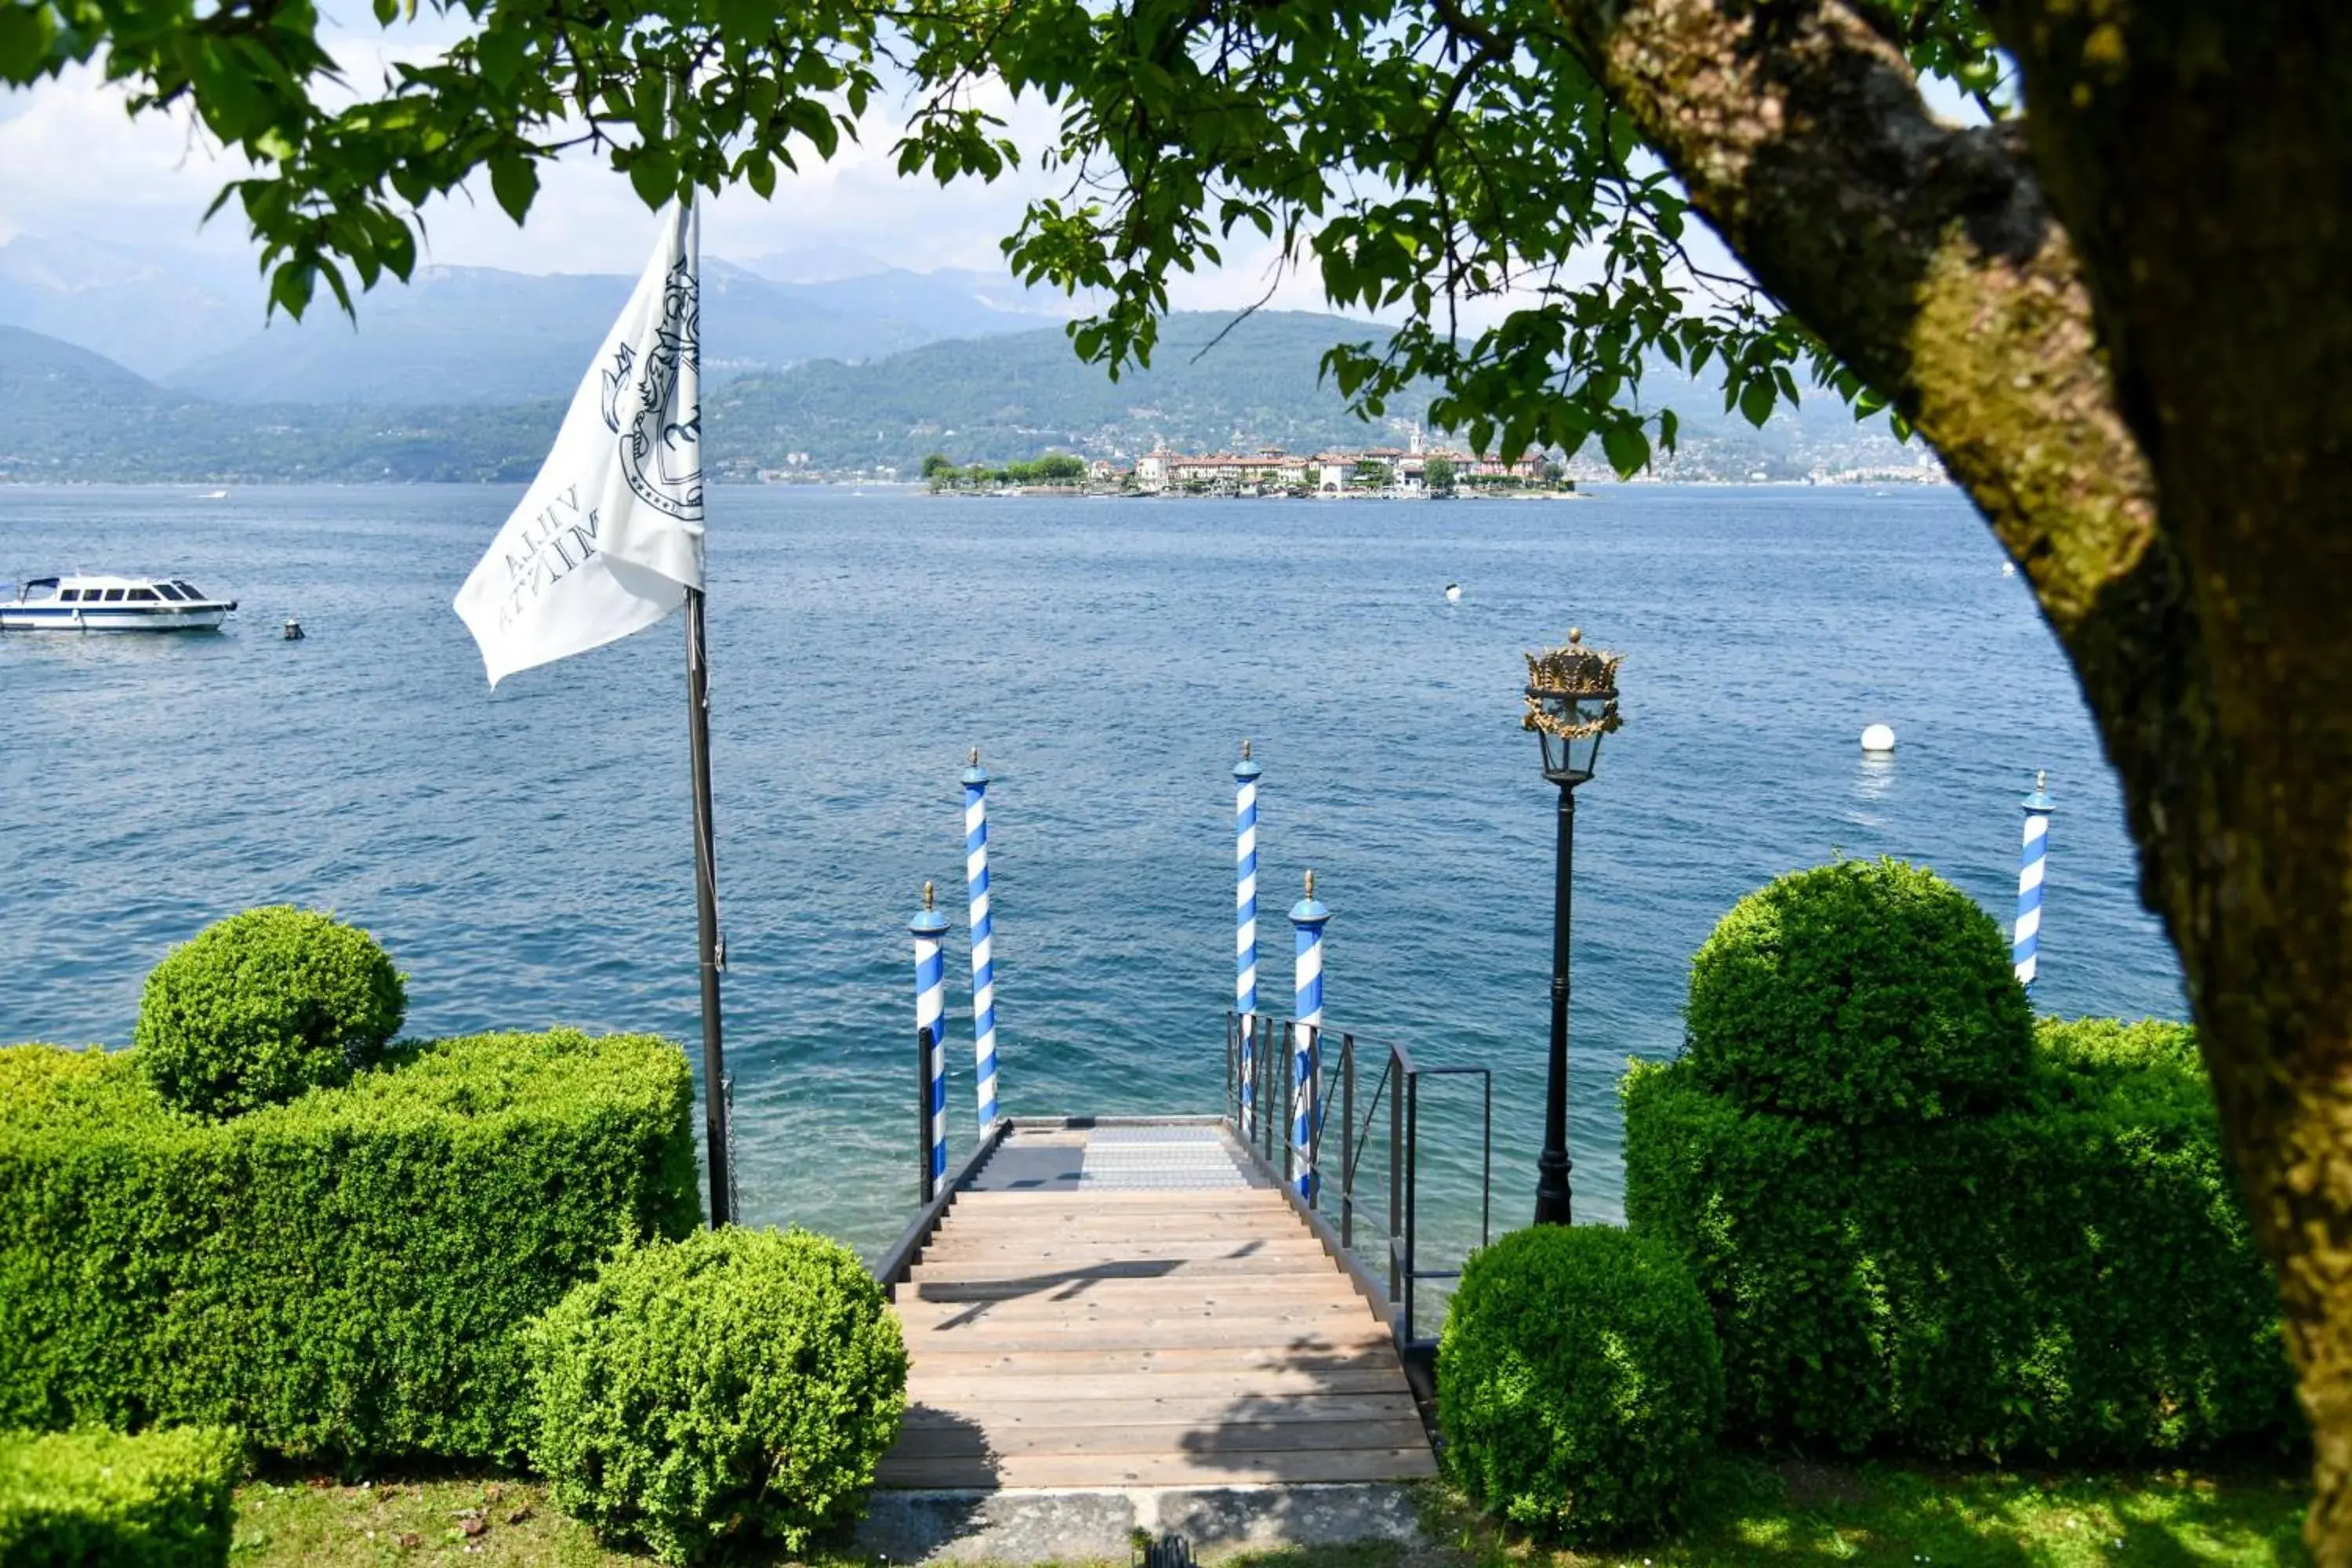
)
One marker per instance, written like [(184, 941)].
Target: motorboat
[(97, 603)]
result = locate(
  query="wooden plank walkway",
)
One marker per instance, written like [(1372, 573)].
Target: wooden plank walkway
[(1132, 1306)]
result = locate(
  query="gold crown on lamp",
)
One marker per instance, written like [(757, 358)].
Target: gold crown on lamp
[(1573, 670)]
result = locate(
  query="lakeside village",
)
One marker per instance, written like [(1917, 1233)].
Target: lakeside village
[(1412, 472)]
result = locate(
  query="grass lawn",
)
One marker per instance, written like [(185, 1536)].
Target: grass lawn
[(1751, 1516)]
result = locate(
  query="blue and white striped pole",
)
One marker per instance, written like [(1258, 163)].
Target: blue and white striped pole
[(1245, 772), (1306, 920), (2026, 951), (931, 1035), (983, 944)]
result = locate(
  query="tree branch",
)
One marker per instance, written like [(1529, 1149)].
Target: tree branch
[(1940, 274)]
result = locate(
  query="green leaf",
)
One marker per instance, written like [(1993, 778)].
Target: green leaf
[(26, 34), (654, 173), (291, 286), (500, 52), (1626, 447), (1756, 402), (514, 180)]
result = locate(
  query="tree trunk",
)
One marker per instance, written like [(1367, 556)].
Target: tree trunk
[(2120, 326)]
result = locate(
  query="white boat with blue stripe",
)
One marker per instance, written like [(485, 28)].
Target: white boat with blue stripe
[(92, 604)]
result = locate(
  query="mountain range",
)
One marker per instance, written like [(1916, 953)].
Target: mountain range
[(815, 365), (193, 321)]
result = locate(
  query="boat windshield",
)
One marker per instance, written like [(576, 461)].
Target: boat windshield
[(38, 588), (185, 586), (168, 592)]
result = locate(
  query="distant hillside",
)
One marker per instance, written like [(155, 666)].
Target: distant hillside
[(193, 321), (1001, 398), (68, 414), (1005, 399), (467, 334)]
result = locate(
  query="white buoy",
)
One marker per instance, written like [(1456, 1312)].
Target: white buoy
[(1878, 739), (1454, 592), (2009, 568)]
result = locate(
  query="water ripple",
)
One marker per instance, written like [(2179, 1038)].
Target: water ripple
[(525, 853)]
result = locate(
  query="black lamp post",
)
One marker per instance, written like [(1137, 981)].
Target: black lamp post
[(1571, 704)]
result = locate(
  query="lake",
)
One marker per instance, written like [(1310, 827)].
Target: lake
[(525, 854)]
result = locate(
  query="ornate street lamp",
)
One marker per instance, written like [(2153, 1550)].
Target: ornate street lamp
[(1571, 704)]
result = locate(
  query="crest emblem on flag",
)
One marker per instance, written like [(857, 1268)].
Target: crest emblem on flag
[(660, 454)]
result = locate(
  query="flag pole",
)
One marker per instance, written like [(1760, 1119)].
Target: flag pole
[(710, 947), (552, 584)]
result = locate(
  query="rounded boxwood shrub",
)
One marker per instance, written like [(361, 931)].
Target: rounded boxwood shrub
[(735, 1386), (1578, 1382), (1866, 991), (264, 1006)]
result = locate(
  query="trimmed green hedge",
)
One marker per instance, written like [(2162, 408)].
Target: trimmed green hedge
[(264, 1006), (1863, 991), (2073, 1277), (344, 1276), (100, 1499), (1579, 1384), (738, 1387)]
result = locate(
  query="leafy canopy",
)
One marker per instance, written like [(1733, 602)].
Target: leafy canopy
[(1427, 157)]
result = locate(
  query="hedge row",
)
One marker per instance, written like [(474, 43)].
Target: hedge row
[(343, 1276), (80, 1500), (2073, 1276)]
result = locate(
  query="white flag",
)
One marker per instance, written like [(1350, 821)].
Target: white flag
[(609, 537)]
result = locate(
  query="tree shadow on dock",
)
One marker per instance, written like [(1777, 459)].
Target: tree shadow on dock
[(931, 1487), (1057, 1284)]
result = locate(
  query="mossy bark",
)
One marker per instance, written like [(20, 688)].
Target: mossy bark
[(2122, 322)]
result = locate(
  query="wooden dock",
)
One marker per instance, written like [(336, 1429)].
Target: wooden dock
[(1136, 1304)]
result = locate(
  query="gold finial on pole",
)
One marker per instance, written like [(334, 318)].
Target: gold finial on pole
[(1310, 884), (927, 896)]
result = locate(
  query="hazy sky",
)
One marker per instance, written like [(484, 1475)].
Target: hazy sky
[(76, 163), (73, 162)]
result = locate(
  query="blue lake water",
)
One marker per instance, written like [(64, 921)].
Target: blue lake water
[(526, 854)]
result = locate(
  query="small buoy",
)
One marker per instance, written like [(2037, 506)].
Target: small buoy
[(293, 629), (1454, 592), (2009, 568), (1878, 737)]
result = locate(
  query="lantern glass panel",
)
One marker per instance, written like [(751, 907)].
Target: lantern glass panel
[(1569, 759)]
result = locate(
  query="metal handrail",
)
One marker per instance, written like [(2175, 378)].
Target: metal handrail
[(1255, 1042), (899, 1260)]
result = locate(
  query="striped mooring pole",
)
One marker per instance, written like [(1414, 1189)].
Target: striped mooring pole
[(2026, 951), (983, 943), (1307, 917), (931, 1042), (1245, 772)]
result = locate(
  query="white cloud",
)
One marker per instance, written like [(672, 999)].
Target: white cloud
[(76, 162)]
